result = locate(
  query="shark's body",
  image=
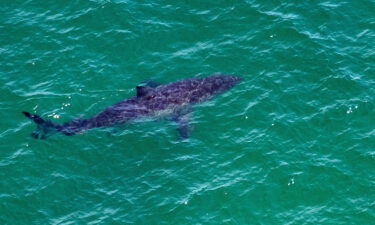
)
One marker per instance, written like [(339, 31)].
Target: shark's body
[(150, 100)]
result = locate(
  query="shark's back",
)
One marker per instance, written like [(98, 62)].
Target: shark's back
[(190, 90), (170, 97)]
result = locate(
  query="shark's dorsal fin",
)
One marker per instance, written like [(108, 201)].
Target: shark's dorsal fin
[(143, 91)]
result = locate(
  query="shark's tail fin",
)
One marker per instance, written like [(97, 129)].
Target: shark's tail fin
[(44, 127)]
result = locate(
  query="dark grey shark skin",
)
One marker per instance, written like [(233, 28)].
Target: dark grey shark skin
[(173, 98)]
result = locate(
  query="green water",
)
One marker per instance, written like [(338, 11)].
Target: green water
[(292, 144)]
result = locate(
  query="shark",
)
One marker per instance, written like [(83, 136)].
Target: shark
[(173, 99)]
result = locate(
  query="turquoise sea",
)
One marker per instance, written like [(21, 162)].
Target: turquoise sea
[(293, 143)]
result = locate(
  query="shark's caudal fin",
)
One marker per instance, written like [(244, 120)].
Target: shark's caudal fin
[(44, 127)]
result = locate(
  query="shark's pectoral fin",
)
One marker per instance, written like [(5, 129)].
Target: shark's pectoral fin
[(182, 118), (184, 128)]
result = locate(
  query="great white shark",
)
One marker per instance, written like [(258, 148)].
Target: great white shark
[(174, 98)]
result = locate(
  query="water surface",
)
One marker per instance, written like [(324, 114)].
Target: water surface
[(292, 144)]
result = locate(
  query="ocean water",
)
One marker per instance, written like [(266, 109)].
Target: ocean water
[(294, 143)]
